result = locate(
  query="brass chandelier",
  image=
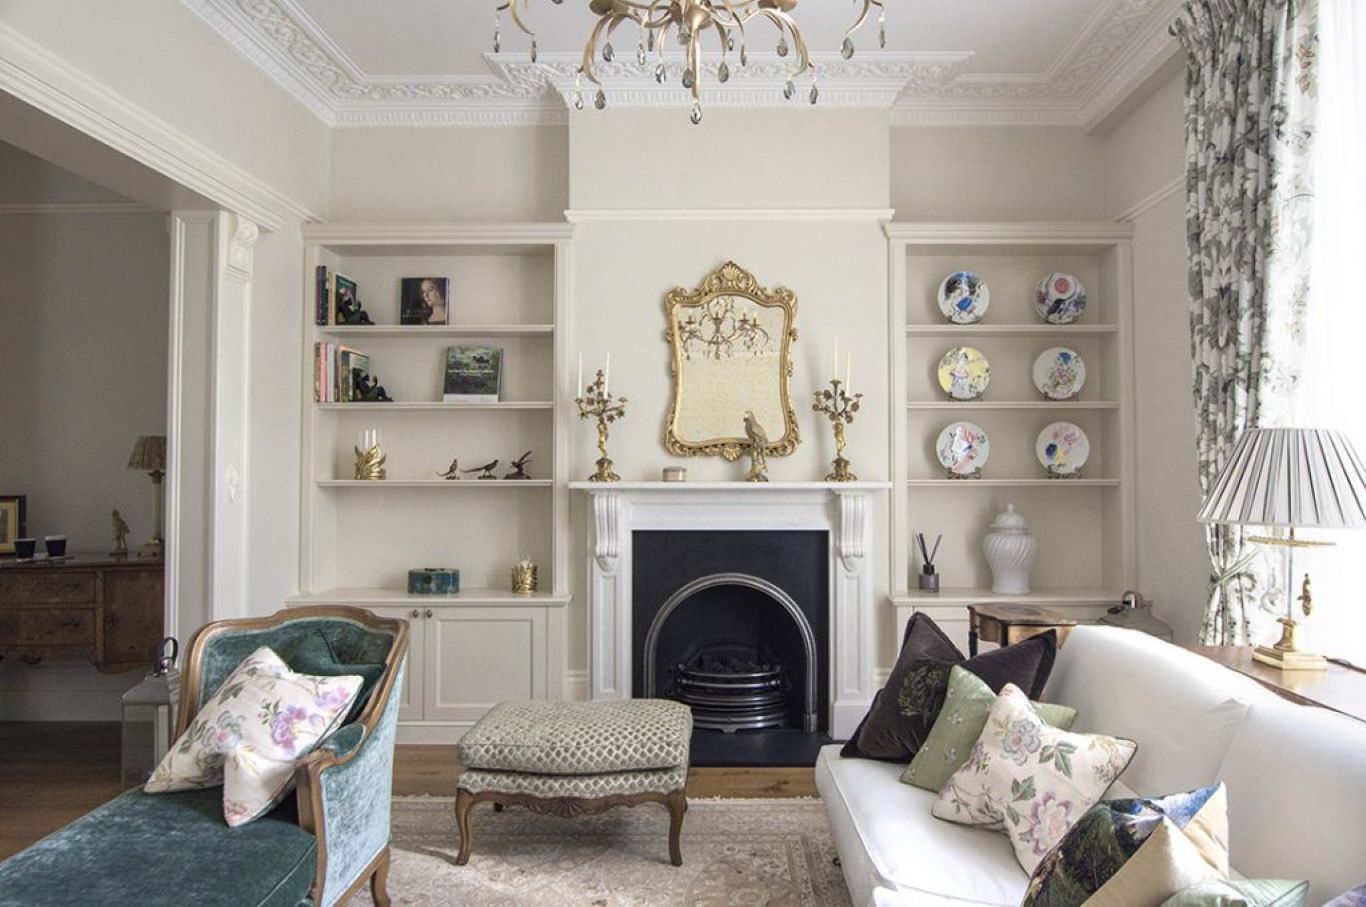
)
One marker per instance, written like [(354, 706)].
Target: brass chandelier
[(690, 21)]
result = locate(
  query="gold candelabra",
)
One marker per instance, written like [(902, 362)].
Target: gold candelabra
[(839, 407), (597, 404)]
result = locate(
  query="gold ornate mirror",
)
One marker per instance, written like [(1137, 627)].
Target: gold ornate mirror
[(732, 355)]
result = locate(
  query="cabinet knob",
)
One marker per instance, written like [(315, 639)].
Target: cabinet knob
[(416, 614), (429, 612)]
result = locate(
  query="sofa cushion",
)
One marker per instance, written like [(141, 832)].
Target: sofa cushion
[(1296, 779), (1136, 851), (1032, 781), (164, 849), (1246, 893), (887, 839), (904, 711), (579, 738), (958, 726), (1132, 685)]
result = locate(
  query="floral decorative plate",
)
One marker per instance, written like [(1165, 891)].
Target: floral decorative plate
[(1059, 373), (963, 449), (1063, 449), (1060, 298), (964, 297), (964, 373)]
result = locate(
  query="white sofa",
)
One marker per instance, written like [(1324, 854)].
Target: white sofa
[(1296, 779)]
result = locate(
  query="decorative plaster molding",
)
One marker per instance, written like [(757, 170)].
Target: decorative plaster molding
[(73, 208), (241, 242), (1152, 201), (673, 215), (1120, 45), (39, 78)]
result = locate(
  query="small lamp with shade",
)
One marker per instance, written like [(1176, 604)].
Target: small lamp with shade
[(149, 455)]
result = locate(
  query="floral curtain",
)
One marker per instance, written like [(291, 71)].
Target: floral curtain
[(1250, 109)]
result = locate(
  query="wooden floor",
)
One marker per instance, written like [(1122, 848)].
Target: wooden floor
[(53, 772)]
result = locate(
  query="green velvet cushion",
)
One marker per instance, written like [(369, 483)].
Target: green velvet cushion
[(960, 722), (1243, 893), (165, 849)]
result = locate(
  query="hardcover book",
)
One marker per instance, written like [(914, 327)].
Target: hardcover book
[(350, 364), (425, 300), (474, 374)]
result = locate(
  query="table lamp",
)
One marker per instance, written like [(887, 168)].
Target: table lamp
[(1289, 479), (149, 455)]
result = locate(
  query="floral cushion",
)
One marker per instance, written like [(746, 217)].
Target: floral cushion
[(1245, 893), (1032, 781), (958, 727), (1136, 851), (250, 734)]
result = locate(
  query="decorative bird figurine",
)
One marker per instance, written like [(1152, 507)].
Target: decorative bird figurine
[(758, 449), (452, 472), (487, 470), (519, 467), (120, 546)]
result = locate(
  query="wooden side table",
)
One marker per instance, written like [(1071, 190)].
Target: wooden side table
[(1342, 688), (1006, 624)]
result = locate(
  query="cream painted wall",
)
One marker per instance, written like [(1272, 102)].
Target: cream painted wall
[(83, 345), (160, 56), (450, 174)]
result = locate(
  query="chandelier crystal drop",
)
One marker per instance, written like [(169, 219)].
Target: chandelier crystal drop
[(691, 22)]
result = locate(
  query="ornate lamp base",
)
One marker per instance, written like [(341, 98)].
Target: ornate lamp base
[(604, 473), (1286, 654), (839, 471)]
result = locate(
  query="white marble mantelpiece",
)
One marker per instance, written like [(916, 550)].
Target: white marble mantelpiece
[(841, 509)]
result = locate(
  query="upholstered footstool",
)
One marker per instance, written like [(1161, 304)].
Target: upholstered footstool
[(576, 758)]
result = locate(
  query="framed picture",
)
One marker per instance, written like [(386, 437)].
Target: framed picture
[(474, 374), (13, 520), (425, 300)]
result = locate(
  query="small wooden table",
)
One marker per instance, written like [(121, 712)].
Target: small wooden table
[(1006, 624), (1342, 688)]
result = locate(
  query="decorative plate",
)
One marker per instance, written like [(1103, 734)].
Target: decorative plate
[(964, 373), (963, 449), (1059, 373), (1062, 448), (964, 297), (1060, 299)]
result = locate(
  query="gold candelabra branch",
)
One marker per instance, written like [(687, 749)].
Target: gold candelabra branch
[(597, 404), (839, 406)]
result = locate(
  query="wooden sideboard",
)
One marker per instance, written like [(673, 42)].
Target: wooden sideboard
[(108, 610)]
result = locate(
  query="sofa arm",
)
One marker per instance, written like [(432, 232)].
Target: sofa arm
[(344, 797)]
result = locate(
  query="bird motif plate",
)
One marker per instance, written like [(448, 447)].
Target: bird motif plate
[(1059, 373), (1060, 298), (1062, 449), (964, 297), (963, 449), (964, 373)]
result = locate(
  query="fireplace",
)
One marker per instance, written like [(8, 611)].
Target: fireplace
[(735, 625)]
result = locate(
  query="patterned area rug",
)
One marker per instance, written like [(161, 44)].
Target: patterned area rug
[(735, 852)]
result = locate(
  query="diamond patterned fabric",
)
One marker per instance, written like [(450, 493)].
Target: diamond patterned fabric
[(588, 787), (579, 738)]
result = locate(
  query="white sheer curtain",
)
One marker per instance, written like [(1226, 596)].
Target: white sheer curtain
[(1333, 388)]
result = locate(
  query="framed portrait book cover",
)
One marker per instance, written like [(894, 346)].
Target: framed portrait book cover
[(474, 374), (425, 300), (13, 516)]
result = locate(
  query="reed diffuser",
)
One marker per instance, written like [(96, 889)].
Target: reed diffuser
[(929, 579)]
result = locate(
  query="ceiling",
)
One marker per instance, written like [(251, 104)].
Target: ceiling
[(429, 62)]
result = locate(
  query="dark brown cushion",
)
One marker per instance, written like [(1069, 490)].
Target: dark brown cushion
[(903, 712)]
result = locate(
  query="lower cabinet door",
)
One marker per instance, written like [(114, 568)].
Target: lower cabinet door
[(477, 657), (410, 703)]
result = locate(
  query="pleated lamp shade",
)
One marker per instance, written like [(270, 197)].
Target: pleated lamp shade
[(1290, 478), (149, 454)]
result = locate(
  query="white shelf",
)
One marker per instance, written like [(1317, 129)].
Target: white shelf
[(437, 405), (958, 596), (1012, 483), (446, 484), (1025, 405), (420, 331), (398, 597), (1010, 330)]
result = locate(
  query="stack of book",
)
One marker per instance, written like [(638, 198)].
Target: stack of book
[(335, 369), (332, 288)]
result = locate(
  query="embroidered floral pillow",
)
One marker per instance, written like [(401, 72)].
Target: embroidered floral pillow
[(249, 736), (1030, 780)]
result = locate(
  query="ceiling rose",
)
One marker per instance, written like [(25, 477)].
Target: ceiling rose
[(689, 22)]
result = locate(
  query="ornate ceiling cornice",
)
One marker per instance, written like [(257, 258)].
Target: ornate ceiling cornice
[(1122, 44)]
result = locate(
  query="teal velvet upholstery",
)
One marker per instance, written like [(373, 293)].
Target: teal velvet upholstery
[(165, 849), (356, 797)]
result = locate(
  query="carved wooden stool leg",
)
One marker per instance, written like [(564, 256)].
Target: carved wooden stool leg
[(379, 881), (677, 802), (464, 800)]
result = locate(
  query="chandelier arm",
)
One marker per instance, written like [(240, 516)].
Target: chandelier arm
[(862, 17), (514, 8), (590, 50), (785, 23), (695, 64)]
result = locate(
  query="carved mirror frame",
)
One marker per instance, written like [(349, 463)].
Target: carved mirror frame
[(726, 283)]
